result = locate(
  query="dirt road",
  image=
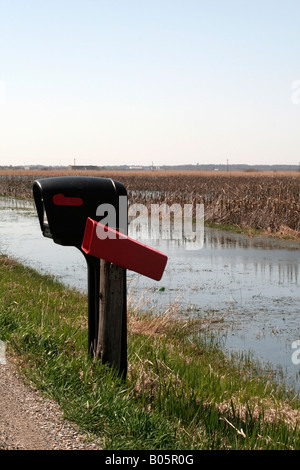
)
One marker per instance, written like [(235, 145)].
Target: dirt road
[(30, 422)]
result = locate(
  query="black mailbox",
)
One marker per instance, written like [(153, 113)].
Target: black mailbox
[(65, 203), (70, 209)]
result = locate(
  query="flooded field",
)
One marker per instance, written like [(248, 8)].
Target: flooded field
[(252, 284)]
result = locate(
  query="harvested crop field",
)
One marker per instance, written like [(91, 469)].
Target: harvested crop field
[(260, 200)]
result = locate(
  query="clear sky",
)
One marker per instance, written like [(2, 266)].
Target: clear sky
[(110, 82)]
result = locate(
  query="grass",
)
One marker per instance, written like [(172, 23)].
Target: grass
[(234, 228), (181, 393)]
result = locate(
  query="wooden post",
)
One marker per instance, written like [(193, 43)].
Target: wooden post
[(93, 265), (112, 325)]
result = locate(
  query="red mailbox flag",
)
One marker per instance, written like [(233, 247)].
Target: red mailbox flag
[(122, 250)]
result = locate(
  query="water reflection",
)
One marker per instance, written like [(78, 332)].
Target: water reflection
[(252, 282)]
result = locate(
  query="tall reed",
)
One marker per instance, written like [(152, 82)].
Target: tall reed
[(262, 200)]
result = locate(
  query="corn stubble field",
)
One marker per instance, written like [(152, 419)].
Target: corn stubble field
[(267, 201)]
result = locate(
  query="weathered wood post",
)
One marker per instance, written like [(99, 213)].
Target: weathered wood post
[(112, 325)]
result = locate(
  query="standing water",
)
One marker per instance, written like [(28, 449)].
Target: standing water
[(252, 283)]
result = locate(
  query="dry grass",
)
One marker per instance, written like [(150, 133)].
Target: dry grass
[(138, 173), (267, 201), (273, 412)]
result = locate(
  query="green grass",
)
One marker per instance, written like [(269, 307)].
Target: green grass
[(181, 392), (234, 228)]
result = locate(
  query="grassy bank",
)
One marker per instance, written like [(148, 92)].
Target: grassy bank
[(182, 392)]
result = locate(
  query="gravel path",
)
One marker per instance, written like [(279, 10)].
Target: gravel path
[(31, 422)]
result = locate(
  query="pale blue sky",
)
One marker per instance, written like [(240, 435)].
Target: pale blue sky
[(134, 82)]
